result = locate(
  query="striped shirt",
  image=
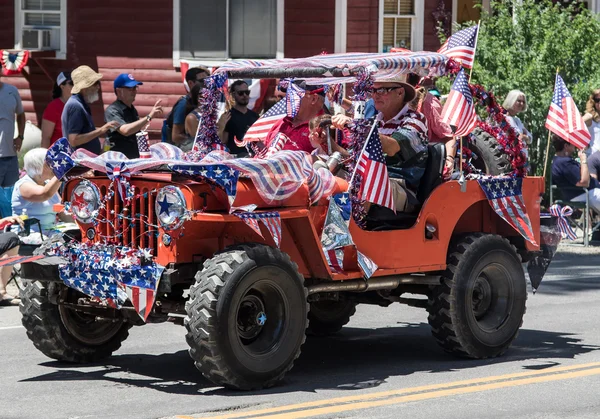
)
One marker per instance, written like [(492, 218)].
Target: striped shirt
[(409, 128)]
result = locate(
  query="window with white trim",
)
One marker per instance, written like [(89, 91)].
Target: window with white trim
[(399, 20), (41, 24)]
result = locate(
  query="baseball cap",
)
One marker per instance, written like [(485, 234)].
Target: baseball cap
[(126, 80), (63, 77)]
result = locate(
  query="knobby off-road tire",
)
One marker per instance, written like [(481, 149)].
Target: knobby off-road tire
[(478, 309), (65, 334), (328, 317), (246, 317), (490, 158)]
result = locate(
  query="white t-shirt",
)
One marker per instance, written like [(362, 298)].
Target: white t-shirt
[(594, 129)]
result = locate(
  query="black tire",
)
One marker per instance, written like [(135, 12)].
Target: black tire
[(478, 308), (246, 317), (65, 334), (490, 158), (328, 317)]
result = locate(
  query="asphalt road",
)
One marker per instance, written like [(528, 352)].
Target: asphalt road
[(385, 364)]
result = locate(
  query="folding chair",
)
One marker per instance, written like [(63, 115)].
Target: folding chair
[(583, 205), (24, 249)]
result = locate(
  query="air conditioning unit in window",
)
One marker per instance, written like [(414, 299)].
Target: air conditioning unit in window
[(40, 39)]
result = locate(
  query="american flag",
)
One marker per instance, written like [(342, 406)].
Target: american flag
[(505, 196), (461, 46), (271, 220), (459, 109), (564, 119), (371, 166), (259, 130), (58, 157)]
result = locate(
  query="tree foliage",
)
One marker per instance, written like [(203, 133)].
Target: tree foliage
[(521, 46)]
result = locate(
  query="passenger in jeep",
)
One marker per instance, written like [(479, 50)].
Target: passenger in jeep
[(403, 139)]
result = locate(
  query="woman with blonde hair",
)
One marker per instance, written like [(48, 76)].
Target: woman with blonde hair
[(592, 120), (515, 103)]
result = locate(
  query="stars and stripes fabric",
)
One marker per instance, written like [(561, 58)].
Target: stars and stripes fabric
[(564, 119), (562, 213), (461, 46), (119, 174), (505, 196), (142, 300), (143, 145), (58, 157), (276, 146), (220, 174), (459, 109), (259, 130), (375, 187), (271, 220)]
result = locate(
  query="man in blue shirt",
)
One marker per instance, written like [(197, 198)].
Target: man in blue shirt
[(77, 123), (568, 174)]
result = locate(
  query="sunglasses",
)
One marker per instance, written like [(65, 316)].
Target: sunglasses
[(383, 90), (597, 99), (243, 92)]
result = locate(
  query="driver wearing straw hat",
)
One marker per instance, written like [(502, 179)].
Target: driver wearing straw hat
[(77, 123), (403, 138)]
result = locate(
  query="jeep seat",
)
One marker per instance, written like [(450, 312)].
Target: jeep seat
[(381, 218)]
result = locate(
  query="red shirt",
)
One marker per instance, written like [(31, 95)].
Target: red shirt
[(298, 135), (53, 113)]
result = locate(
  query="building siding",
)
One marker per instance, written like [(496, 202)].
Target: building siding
[(430, 39), (309, 27), (363, 26)]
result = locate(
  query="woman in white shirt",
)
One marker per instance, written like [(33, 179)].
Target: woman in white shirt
[(592, 120), (515, 103)]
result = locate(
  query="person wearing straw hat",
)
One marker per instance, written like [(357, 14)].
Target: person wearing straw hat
[(123, 112), (403, 136), (77, 123)]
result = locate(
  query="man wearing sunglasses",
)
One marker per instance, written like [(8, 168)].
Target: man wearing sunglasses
[(124, 113), (403, 135), (234, 124)]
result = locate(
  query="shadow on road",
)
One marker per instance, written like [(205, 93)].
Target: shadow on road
[(353, 359)]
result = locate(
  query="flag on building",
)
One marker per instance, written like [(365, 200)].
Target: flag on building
[(459, 109), (461, 46), (375, 187), (505, 196), (564, 119)]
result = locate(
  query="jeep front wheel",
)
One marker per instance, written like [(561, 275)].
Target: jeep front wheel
[(63, 333), (247, 317), (478, 308)]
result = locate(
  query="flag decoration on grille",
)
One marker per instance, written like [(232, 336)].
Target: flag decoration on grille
[(375, 186), (259, 130), (564, 119), (562, 213), (505, 196), (459, 109), (119, 174), (13, 62), (271, 220), (58, 157), (219, 174), (461, 46)]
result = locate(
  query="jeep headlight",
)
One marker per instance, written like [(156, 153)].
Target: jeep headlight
[(85, 201), (170, 207)]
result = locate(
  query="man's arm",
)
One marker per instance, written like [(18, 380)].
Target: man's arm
[(77, 140), (389, 145), (129, 129), (21, 127), (584, 182)]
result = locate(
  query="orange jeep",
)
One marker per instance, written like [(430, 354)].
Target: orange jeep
[(163, 243)]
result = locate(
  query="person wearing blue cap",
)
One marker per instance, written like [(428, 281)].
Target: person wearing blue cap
[(122, 111)]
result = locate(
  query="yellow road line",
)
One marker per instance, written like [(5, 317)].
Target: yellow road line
[(476, 383)]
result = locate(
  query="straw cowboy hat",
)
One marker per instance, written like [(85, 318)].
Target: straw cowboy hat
[(409, 90), (84, 77)]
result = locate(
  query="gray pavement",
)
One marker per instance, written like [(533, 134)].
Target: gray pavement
[(378, 361)]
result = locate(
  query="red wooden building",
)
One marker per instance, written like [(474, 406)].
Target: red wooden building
[(150, 38)]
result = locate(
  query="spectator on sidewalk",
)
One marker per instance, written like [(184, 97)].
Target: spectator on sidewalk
[(51, 120), (569, 175), (9, 246), (592, 120), (192, 119), (174, 125), (123, 112), (515, 103), (594, 164), (10, 105), (37, 191), (77, 123), (234, 124)]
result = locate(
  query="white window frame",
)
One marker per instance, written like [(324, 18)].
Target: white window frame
[(417, 25), (217, 61), (61, 53)]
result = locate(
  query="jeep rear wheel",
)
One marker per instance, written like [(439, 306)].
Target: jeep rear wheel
[(327, 317), (247, 317), (478, 309), (490, 159), (66, 334)]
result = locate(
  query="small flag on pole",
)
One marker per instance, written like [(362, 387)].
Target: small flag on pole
[(564, 119), (461, 46), (459, 109)]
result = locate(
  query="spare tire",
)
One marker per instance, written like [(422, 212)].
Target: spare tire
[(490, 159)]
